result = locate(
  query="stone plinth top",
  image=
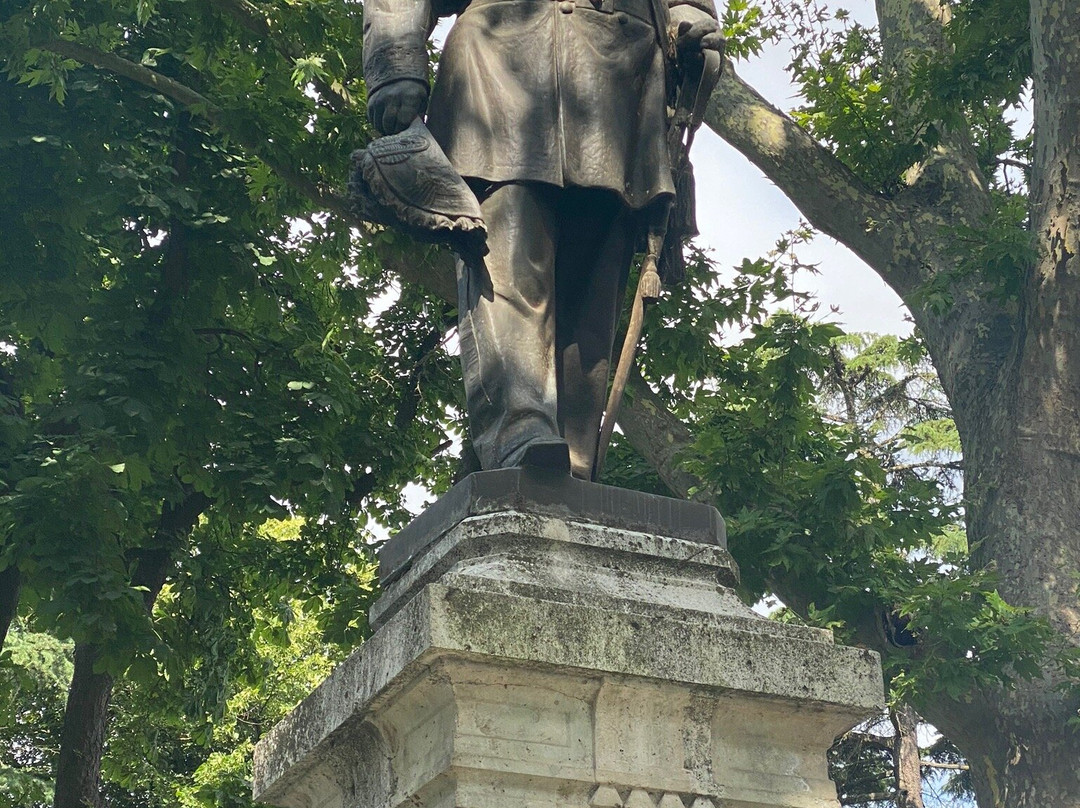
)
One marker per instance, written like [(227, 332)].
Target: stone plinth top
[(546, 494), (580, 539)]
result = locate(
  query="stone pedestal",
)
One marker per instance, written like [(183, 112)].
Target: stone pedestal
[(547, 643)]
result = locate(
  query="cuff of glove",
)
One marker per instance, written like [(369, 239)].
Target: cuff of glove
[(394, 63)]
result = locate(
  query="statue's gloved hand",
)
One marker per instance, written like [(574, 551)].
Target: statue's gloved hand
[(693, 31), (394, 106), (698, 36)]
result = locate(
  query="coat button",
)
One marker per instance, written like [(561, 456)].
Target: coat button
[(566, 6)]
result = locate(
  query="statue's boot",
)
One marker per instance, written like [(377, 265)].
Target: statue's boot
[(551, 454)]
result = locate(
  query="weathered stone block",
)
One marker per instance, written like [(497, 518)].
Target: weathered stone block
[(533, 660)]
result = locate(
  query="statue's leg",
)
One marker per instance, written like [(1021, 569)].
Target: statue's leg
[(596, 245), (507, 327)]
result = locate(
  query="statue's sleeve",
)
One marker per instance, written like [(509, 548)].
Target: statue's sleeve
[(685, 9), (395, 41)]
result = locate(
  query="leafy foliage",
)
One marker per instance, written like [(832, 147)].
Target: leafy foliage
[(175, 331), (836, 463), (744, 27), (34, 676), (178, 338), (881, 120), (850, 104), (235, 657), (184, 359), (991, 60), (998, 252)]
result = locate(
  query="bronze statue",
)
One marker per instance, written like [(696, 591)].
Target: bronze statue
[(557, 114)]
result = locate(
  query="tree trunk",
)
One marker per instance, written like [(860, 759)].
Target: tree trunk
[(10, 585), (11, 577), (1023, 457), (1048, 405), (82, 741), (906, 757), (78, 772)]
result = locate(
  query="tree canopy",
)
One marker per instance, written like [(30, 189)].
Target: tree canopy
[(215, 381)]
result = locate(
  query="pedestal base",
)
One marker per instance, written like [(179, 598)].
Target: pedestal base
[(526, 660)]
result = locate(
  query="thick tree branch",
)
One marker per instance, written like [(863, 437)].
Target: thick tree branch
[(138, 73), (426, 266), (952, 465), (906, 759), (860, 799), (891, 237), (659, 437), (177, 522), (933, 764)]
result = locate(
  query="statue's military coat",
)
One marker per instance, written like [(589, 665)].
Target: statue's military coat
[(562, 92)]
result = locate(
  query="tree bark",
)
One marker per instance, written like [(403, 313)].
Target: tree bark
[(82, 739), (1024, 470), (78, 770), (1048, 405), (906, 757), (10, 586)]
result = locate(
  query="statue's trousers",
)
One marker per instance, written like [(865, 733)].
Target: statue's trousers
[(538, 317)]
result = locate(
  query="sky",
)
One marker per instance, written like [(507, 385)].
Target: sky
[(741, 213)]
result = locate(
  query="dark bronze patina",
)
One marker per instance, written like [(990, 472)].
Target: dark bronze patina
[(557, 113)]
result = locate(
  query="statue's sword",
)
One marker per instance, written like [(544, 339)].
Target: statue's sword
[(699, 80)]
